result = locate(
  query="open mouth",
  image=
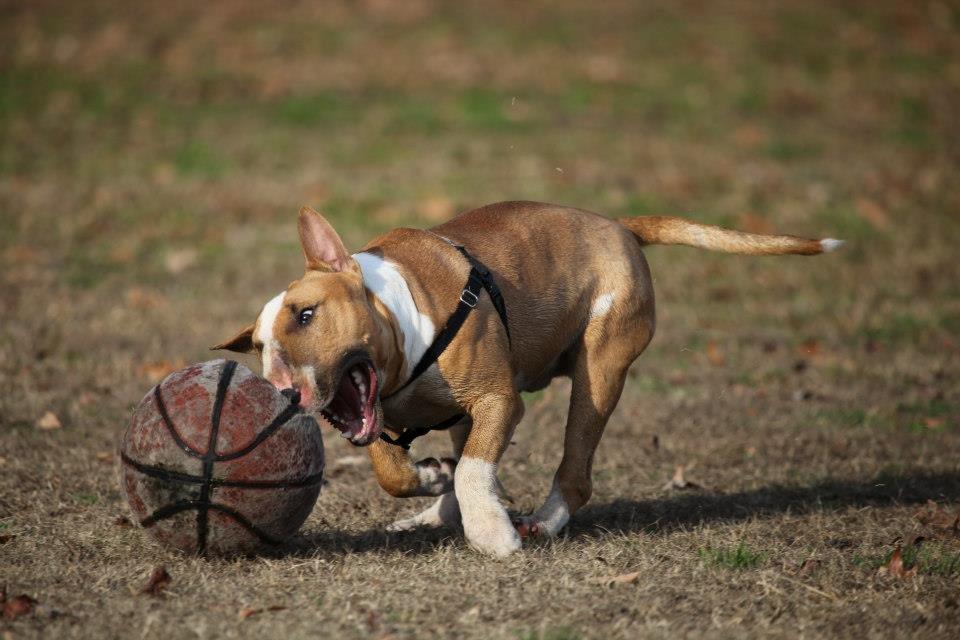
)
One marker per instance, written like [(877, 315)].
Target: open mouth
[(354, 410)]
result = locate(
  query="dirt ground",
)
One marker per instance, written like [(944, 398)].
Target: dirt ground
[(152, 162)]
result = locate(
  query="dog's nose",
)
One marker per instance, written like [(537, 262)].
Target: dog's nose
[(291, 394)]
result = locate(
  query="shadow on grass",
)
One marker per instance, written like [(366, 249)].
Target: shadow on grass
[(665, 515), (686, 510)]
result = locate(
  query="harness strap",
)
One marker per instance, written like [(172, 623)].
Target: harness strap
[(406, 438), (480, 279)]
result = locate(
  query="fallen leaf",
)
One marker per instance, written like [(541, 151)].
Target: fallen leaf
[(678, 481), (624, 578), (933, 423), (6, 538), (808, 566), (122, 521), (17, 606), (104, 456), (159, 581), (809, 347), (49, 422), (246, 612), (937, 522), (714, 355), (896, 566)]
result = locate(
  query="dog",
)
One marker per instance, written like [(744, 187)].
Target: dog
[(571, 296)]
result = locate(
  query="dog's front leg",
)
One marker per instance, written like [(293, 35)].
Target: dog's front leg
[(401, 477), (444, 511), (485, 521)]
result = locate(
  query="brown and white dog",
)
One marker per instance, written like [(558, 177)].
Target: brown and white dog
[(580, 304)]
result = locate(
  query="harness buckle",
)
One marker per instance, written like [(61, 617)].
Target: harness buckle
[(465, 296)]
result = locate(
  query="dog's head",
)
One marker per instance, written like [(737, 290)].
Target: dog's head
[(320, 336)]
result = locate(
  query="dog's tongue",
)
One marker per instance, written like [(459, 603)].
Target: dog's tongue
[(347, 401)]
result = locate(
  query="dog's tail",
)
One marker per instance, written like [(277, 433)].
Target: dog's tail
[(670, 230)]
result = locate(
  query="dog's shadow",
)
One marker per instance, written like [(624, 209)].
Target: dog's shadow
[(664, 515)]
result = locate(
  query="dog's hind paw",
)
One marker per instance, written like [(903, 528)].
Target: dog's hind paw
[(526, 528), (444, 511)]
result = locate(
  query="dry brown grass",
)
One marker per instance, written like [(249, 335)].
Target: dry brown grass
[(153, 159)]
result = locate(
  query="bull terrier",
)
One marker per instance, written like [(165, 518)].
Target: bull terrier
[(565, 292)]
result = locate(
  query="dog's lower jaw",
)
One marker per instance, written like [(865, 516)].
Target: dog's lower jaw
[(487, 526)]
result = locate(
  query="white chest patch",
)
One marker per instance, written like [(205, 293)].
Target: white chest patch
[(384, 280), (268, 318), (601, 306)]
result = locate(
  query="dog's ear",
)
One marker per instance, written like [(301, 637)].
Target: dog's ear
[(241, 343), (322, 247)]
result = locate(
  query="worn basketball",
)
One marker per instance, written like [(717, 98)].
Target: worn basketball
[(217, 461)]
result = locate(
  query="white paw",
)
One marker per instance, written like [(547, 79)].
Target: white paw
[(485, 522), (492, 534), (548, 519), (444, 511), (436, 476)]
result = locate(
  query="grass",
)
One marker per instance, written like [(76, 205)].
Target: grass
[(555, 633), (151, 166), (737, 558), (931, 559)]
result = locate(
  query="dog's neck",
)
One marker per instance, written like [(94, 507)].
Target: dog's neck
[(404, 332)]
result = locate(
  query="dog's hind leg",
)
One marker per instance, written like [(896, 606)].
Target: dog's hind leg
[(444, 510), (601, 364)]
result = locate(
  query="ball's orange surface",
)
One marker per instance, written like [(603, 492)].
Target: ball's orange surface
[(217, 461)]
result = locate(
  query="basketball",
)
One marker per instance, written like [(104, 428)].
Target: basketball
[(217, 461)]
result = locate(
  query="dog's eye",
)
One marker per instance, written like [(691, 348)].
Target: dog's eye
[(305, 316)]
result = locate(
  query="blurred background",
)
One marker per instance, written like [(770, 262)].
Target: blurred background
[(153, 156)]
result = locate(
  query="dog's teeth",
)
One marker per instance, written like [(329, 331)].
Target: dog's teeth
[(363, 389), (357, 377), (344, 434)]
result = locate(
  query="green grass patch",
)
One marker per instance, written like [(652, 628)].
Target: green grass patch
[(86, 498), (736, 558), (786, 150), (553, 633), (850, 417), (199, 159), (897, 328), (931, 559), (913, 128), (933, 415), (325, 107)]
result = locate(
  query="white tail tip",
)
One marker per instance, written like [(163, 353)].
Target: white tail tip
[(830, 244)]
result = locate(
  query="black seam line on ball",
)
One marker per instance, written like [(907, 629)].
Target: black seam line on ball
[(203, 511), (281, 419), (162, 408), (185, 505), (170, 475)]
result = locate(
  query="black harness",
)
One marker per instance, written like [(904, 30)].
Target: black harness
[(479, 279)]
